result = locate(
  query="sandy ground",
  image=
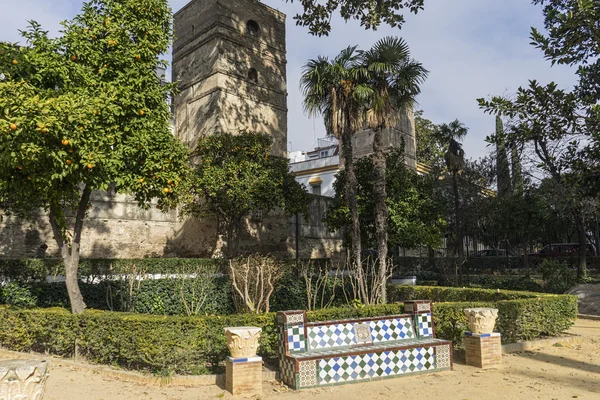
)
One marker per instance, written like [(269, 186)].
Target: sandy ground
[(561, 371)]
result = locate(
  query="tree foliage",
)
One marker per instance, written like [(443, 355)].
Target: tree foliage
[(415, 210), (430, 150), (236, 175), (560, 127), (317, 14), (86, 111)]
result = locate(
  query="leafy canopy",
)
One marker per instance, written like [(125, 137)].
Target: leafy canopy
[(317, 14), (237, 174), (87, 109), (414, 209)]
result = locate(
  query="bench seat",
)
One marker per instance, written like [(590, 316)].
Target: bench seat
[(316, 354), (380, 347)]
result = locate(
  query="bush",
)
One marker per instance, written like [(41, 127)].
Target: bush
[(15, 294), (521, 283), (446, 294), (196, 345), (557, 276), (529, 319)]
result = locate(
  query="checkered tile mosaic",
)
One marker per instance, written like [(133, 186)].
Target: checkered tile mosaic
[(295, 338), (375, 365), (442, 357), (326, 336), (286, 365), (308, 373), (425, 323), (392, 329)]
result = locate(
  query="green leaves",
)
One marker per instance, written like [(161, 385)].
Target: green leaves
[(317, 15), (86, 110), (237, 174), (414, 211)]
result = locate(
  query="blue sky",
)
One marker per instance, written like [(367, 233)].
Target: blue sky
[(472, 48)]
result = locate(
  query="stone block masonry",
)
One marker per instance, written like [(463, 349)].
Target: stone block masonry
[(484, 350), (243, 376)]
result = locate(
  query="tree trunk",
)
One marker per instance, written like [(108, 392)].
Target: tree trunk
[(458, 242), (71, 260), (70, 251), (526, 255), (582, 263), (351, 185), (381, 211)]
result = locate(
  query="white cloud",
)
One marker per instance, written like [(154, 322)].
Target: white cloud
[(473, 48)]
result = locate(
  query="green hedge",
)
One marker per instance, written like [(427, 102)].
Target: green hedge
[(196, 345), (27, 269), (445, 294)]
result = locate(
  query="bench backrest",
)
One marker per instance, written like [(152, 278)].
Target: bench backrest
[(298, 335)]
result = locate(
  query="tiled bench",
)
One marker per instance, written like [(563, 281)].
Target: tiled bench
[(327, 353)]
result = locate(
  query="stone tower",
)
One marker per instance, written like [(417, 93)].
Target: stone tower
[(229, 58), (403, 133)]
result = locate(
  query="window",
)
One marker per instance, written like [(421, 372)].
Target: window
[(253, 75), (315, 185), (252, 28), (324, 153)]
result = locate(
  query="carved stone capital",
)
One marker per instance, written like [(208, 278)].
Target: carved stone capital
[(481, 320), (242, 341), (22, 379)]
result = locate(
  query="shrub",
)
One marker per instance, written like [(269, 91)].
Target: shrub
[(196, 344), (16, 294), (557, 276), (447, 294)]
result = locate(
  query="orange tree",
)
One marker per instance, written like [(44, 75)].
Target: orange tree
[(86, 111)]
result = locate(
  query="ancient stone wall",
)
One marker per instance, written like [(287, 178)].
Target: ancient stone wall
[(117, 228)]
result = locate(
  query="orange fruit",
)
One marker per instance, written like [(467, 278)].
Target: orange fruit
[(141, 180), (13, 127), (141, 112), (20, 168), (73, 57), (137, 57), (70, 150), (68, 162), (96, 112), (90, 166), (15, 62), (44, 130), (28, 178), (166, 190), (65, 142)]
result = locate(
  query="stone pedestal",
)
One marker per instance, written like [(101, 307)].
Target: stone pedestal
[(483, 350), (243, 375), (22, 379), (243, 370)]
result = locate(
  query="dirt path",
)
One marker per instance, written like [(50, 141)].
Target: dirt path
[(559, 372)]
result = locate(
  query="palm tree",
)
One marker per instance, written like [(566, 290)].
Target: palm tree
[(455, 162), (329, 88), (393, 81)]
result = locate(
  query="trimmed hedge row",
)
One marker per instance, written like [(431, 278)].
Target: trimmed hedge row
[(27, 269), (196, 345)]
